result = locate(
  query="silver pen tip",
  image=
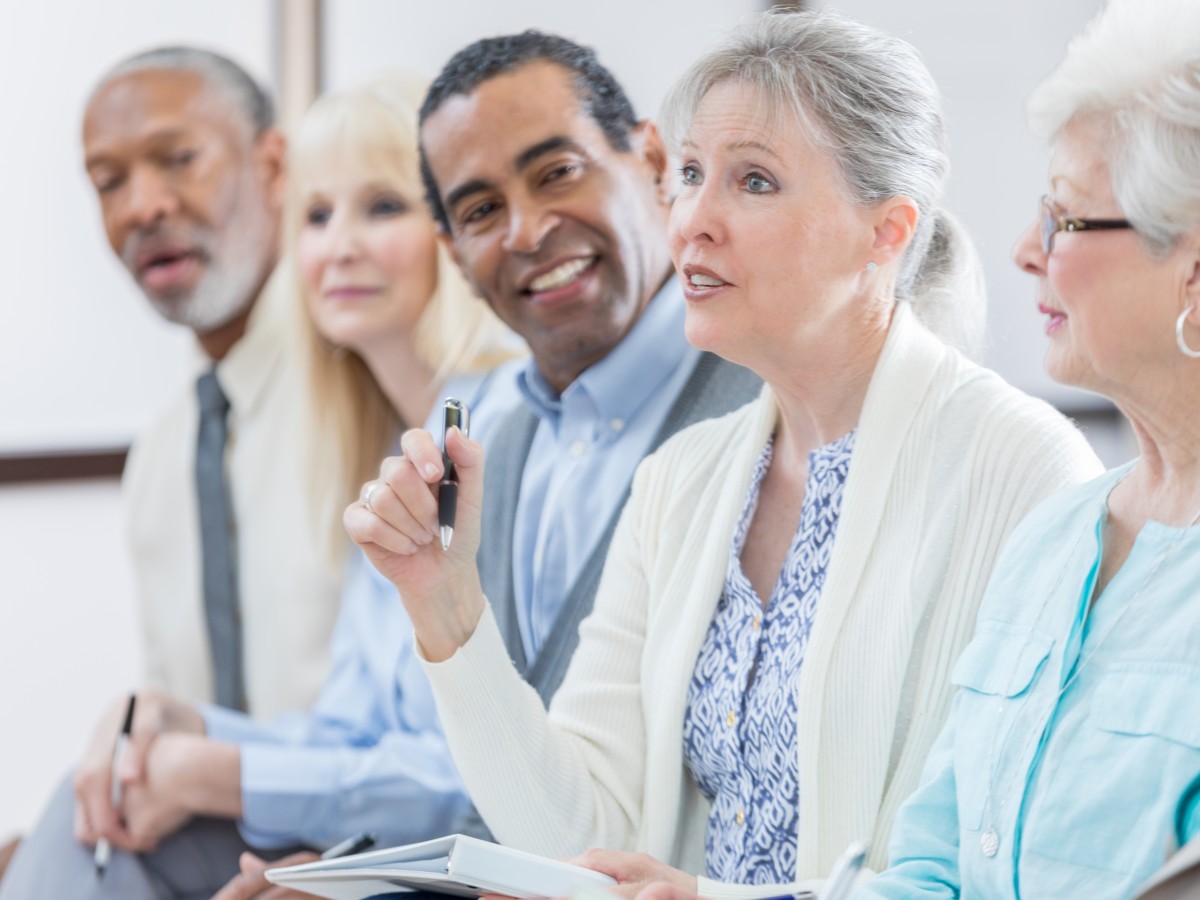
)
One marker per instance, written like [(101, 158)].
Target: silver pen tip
[(447, 536)]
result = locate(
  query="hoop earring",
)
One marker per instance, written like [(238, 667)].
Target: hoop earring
[(1180, 339)]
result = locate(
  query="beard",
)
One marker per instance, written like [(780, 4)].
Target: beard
[(235, 259)]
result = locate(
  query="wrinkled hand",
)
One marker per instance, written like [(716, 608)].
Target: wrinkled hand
[(154, 714), (636, 872), (252, 880), (398, 530)]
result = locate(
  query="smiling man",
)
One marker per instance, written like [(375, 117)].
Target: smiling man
[(553, 198)]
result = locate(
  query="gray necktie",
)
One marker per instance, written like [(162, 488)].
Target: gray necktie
[(219, 555)]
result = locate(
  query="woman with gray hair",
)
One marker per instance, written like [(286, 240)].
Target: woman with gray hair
[(765, 668), (1069, 765)]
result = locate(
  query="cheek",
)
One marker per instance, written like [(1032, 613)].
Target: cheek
[(406, 253), (310, 260)]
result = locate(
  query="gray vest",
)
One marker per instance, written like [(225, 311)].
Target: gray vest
[(714, 388)]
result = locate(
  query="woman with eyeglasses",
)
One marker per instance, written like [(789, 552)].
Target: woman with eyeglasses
[(1065, 767)]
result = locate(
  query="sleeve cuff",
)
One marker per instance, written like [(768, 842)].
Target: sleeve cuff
[(233, 727)]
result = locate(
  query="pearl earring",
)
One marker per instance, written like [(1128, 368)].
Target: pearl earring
[(871, 267)]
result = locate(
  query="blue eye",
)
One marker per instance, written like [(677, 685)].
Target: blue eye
[(388, 206), (757, 184), (689, 174)]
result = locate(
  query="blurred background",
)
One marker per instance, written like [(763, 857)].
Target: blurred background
[(84, 362)]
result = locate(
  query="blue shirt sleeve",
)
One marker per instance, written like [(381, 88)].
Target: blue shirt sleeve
[(368, 756), (923, 854)]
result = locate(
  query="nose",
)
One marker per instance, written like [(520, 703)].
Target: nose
[(345, 238), (529, 223), (1028, 253), (149, 198), (696, 217)]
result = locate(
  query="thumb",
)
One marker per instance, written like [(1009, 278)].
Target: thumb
[(249, 864), (468, 458), (132, 767)]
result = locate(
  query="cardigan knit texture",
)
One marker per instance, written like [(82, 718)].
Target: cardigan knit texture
[(947, 460)]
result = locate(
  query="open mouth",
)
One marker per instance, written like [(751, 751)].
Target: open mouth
[(562, 275), (162, 269)]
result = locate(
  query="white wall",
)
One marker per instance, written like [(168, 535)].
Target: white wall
[(68, 642), (646, 43)]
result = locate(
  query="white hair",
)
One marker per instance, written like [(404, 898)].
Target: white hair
[(224, 78), (867, 99), (1136, 69)]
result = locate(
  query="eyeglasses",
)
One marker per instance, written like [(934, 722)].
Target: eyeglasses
[(1053, 223)]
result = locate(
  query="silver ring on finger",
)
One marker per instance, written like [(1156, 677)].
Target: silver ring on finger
[(367, 493)]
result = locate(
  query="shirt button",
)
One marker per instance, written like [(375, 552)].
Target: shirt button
[(741, 817), (578, 449), (757, 621), (617, 424), (729, 719)]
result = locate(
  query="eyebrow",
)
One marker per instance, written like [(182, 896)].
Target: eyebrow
[(161, 136), (524, 160)]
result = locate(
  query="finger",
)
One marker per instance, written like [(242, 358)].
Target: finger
[(249, 864), (401, 513), (147, 725), (422, 451), (376, 537), (662, 890)]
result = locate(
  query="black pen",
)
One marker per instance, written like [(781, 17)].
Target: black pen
[(354, 844), (454, 415), (103, 850)]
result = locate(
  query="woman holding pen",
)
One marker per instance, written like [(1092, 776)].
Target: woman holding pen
[(766, 666)]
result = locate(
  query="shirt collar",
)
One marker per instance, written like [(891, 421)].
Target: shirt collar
[(246, 370), (622, 381)]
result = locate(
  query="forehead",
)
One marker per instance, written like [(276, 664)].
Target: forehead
[(140, 105), (502, 117), (731, 114), (1078, 166)]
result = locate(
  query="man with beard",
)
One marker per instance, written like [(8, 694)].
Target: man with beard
[(235, 601)]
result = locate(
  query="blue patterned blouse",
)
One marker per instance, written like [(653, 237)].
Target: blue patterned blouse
[(739, 731)]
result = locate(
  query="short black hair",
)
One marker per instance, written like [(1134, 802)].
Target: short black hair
[(602, 96)]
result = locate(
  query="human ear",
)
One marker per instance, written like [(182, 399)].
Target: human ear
[(270, 153), (895, 223), (652, 152)]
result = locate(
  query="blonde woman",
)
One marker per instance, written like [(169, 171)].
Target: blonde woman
[(388, 322)]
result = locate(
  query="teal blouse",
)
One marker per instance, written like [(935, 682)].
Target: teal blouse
[(1068, 765)]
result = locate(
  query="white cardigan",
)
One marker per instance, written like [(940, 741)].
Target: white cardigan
[(947, 460)]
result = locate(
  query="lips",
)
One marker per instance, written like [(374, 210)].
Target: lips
[(700, 282), (1057, 317), (555, 275)]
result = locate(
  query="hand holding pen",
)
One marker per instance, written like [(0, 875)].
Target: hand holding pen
[(399, 522)]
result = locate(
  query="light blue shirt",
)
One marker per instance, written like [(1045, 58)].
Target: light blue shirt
[(369, 755), (1075, 737), (588, 442)]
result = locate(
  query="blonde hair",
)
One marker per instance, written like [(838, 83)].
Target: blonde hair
[(352, 422)]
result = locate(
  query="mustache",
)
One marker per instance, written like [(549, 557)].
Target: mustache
[(146, 243)]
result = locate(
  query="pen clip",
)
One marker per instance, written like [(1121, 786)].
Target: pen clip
[(455, 414)]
